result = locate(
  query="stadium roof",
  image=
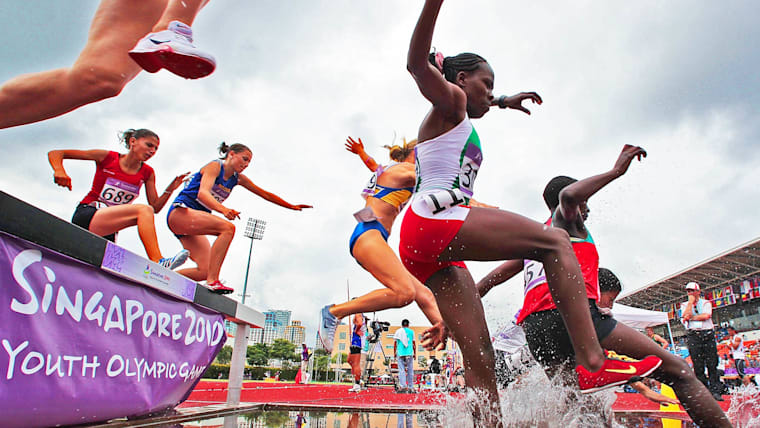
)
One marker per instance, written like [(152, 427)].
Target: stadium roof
[(728, 268)]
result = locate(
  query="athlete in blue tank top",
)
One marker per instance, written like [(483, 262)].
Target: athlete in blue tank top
[(190, 217), (221, 189)]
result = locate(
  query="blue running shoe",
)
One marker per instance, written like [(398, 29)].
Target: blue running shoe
[(327, 325), (176, 261)]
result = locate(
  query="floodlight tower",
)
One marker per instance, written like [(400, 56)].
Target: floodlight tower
[(254, 229)]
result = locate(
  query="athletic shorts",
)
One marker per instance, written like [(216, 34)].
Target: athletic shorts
[(425, 235), (83, 216), (547, 336), (168, 213), (353, 350), (363, 227)]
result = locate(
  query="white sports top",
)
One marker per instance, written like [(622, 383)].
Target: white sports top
[(446, 167), (738, 353)]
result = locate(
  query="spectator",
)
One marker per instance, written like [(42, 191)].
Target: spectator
[(435, 365), (697, 318), (657, 338), (304, 363), (405, 351)]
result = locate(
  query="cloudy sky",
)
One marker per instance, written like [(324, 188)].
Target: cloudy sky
[(294, 78)]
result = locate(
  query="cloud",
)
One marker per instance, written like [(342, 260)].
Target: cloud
[(294, 79)]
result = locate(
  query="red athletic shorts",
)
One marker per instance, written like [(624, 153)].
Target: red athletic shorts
[(424, 236)]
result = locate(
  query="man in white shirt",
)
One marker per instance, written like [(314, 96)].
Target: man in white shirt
[(697, 318)]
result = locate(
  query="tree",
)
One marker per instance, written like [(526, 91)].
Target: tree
[(340, 356), (423, 361), (282, 349), (258, 354), (225, 355), (321, 362)]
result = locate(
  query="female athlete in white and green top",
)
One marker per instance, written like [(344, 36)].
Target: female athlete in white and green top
[(441, 229)]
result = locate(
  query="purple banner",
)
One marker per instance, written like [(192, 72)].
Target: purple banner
[(80, 345)]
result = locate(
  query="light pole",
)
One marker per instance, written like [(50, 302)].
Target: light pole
[(254, 229)]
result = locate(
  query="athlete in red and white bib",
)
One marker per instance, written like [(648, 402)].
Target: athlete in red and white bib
[(545, 327), (108, 207)]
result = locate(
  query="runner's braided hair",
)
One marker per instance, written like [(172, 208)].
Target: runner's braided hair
[(125, 136), (224, 149), (454, 64)]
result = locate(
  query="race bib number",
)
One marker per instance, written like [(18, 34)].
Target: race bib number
[(471, 161), (369, 188), (443, 199), (220, 193), (117, 192), (533, 273)]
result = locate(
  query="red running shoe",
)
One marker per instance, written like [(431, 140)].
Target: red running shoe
[(616, 370), (219, 288)]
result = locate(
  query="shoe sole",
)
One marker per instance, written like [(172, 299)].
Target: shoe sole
[(146, 60), (614, 384), (183, 65), (189, 67), (319, 332)]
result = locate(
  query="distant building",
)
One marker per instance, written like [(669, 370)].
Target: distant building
[(342, 343), (275, 324), (295, 333)]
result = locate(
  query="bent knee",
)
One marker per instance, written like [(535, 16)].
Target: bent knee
[(404, 297), (228, 228), (97, 83), (145, 210), (557, 240)]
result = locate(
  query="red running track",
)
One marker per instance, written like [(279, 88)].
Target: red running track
[(336, 397)]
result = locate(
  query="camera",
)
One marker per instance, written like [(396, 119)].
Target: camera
[(378, 327)]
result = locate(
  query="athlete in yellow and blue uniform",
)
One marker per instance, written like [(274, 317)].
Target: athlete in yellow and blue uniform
[(386, 194)]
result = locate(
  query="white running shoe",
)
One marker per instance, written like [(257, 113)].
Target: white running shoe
[(173, 50), (327, 325), (176, 261), (355, 388)]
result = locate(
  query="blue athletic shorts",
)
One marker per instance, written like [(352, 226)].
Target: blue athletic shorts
[(363, 227)]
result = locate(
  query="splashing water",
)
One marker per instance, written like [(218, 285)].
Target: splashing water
[(536, 401), (745, 407)]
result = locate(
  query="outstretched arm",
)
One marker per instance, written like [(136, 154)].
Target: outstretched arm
[(572, 196), (515, 101), (444, 95), (357, 147), (56, 157), (501, 274), (271, 197)]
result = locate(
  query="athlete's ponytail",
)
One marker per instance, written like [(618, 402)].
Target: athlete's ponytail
[(130, 133), (224, 149), (400, 153)]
